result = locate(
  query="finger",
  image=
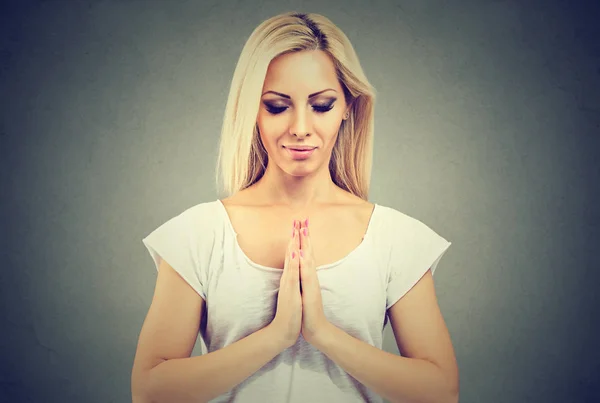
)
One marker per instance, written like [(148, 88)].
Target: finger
[(295, 272), (296, 243), (291, 242), (289, 250), (297, 225), (305, 244), (294, 252), (294, 264)]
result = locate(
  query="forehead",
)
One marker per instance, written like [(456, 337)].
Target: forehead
[(301, 73)]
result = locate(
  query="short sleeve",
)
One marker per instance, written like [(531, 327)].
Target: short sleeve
[(415, 248), (175, 242)]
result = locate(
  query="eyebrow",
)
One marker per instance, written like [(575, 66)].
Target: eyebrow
[(309, 97)]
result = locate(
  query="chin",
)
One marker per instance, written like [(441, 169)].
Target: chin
[(304, 169), (299, 171)]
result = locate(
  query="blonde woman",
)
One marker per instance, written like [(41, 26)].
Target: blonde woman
[(292, 277)]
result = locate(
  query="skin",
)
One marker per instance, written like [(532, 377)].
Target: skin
[(263, 214), (302, 104), (293, 190), (286, 181)]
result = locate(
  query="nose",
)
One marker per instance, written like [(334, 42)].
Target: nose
[(300, 124)]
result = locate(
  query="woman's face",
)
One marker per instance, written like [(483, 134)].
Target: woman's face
[(302, 106)]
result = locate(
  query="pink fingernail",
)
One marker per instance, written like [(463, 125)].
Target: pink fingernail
[(301, 254), (306, 223), (293, 232), (293, 255), (305, 232)]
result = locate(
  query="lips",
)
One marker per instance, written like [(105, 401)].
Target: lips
[(300, 153), (301, 148)]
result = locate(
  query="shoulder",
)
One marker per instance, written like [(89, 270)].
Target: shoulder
[(245, 198), (395, 218), (360, 209), (203, 210), (403, 229), (406, 232), (240, 206), (201, 217)]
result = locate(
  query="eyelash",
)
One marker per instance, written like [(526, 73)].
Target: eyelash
[(319, 109)]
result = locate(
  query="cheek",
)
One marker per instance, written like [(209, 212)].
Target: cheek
[(272, 127), (265, 129), (269, 142), (329, 128)]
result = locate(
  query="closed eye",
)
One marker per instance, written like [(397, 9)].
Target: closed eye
[(274, 110)]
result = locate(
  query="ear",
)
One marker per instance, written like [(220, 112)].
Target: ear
[(349, 107), (351, 103)]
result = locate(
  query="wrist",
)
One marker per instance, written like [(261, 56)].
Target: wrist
[(275, 337), (322, 337)]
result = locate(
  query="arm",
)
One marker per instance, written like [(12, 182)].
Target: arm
[(202, 378), (428, 372), (163, 370)]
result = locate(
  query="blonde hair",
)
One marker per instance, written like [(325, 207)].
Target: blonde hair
[(242, 158)]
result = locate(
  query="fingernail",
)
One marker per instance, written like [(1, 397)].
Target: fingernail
[(305, 232), (301, 254), (293, 232), (306, 223), (293, 255)]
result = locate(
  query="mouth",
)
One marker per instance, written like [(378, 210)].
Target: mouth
[(301, 148), (300, 153)]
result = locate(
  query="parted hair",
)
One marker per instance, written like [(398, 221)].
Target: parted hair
[(242, 158)]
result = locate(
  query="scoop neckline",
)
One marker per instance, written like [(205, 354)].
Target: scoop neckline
[(358, 247)]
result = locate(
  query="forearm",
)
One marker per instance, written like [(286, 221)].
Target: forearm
[(202, 378), (391, 376)]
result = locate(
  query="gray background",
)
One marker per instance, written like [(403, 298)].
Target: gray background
[(487, 124)]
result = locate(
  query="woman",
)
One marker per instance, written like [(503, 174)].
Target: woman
[(291, 279)]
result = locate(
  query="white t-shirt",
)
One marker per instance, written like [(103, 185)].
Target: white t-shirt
[(241, 296)]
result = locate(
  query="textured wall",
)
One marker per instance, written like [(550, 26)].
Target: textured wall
[(487, 129)]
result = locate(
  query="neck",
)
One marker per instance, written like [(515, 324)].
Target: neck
[(297, 192)]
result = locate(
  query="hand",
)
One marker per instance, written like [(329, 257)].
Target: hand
[(313, 316), (288, 318)]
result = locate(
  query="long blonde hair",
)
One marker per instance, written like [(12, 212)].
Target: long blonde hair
[(242, 158)]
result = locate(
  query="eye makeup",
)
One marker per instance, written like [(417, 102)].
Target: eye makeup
[(318, 107)]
